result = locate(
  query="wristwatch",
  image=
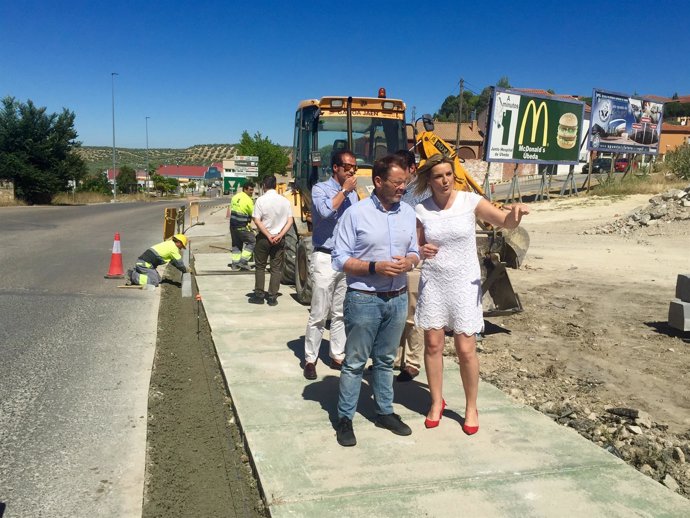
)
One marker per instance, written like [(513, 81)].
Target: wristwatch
[(372, 267)]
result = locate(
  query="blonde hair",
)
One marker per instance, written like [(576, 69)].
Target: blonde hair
[(424, 171)]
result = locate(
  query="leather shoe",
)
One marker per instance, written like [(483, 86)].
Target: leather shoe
[(407, 373), (336, 364), (310, 371), (393, 423), (254, 299), (344, 432), (272, 300)]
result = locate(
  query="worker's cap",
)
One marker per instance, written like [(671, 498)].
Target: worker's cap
[(181, 238)]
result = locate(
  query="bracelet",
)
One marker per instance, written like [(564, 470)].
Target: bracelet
[(372, 267)]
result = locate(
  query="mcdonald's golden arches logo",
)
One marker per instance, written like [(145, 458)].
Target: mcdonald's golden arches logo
[(536, 113)]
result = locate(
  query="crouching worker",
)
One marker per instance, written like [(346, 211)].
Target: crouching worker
[(145, 272)]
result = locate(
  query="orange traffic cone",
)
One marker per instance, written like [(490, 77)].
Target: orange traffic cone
[(116, 271)]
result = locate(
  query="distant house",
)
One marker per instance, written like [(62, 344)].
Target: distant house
[(672, 136), (111, 174), (183, 173)]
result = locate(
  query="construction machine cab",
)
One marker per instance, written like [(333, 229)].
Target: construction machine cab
[(369, 127)]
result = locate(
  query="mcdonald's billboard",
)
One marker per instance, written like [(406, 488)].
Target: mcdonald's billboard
[(534, 129), (622, 124)]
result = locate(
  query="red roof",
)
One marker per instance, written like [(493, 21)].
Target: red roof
[(674, 128), (182, 171), (656, 98)]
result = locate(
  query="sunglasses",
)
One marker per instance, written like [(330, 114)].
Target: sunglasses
[(348, 167)]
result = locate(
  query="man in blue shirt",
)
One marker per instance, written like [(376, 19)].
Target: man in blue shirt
[(329, 201), (375, 245)]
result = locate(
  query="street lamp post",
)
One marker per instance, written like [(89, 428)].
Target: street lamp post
[(112, 76), (147, 153)]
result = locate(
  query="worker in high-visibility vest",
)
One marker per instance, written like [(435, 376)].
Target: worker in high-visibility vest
[(241, 233), (145, 272)]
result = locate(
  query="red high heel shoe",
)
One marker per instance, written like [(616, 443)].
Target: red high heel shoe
[(433, 424), (471, 430)]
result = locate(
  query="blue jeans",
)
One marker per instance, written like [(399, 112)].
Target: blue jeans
[(373, 326)]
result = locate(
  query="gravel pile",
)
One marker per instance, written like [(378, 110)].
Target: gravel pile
[(673, 205)]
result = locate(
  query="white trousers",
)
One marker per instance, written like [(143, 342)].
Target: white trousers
[(328, 293)]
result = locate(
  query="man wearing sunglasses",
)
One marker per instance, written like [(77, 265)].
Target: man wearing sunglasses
[(329, 201)]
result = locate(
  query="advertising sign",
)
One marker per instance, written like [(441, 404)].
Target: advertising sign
[(533, 129), (622, 124)]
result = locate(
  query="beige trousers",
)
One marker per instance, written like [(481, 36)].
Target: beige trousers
[(411, 350)]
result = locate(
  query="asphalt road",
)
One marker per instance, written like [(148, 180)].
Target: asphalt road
[(75, 360)]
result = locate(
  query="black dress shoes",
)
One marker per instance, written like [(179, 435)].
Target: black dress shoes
[(393, 423), (310, 371), (344, 432), (407, 373)]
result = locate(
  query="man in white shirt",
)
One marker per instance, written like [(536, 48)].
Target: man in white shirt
[(273, 217)]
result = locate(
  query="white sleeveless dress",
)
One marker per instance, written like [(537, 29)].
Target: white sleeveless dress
[(450, 291)]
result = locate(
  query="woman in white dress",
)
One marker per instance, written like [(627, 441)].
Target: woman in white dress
[(450, 287)]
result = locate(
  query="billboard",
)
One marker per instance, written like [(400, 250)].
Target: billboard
[(623, 124), (533, 129)]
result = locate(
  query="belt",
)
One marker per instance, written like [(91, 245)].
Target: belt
[(323, 250), (389, 294)]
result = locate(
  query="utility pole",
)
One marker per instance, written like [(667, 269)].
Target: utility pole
[(112, 76), (147, 153), (457, 135)]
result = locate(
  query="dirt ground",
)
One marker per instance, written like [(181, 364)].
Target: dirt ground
[(196, 464), (594, 334)]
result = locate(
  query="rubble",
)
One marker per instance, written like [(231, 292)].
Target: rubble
[(673, 205), (629, 433)]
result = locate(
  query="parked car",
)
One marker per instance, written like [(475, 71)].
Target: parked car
[(603, 165), (599, 165), (621, 165)]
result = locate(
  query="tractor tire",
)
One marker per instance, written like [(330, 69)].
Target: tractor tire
[(302, 277), (290, 257)]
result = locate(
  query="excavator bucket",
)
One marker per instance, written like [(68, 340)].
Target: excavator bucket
[(515, 246), (498, 296)]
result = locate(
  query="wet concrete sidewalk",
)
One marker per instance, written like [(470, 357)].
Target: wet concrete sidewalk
[(521, 463)]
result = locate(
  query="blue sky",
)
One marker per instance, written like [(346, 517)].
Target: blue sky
[(205, 71)]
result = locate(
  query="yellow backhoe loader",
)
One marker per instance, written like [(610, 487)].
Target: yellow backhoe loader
[(372, 127)]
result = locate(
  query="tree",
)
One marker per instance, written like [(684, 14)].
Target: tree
[(38, 150), (503, 82), (163, 184), (127, 179), (97, 183), (678, 161), (673, 110), (272, 157), (471, 102)]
